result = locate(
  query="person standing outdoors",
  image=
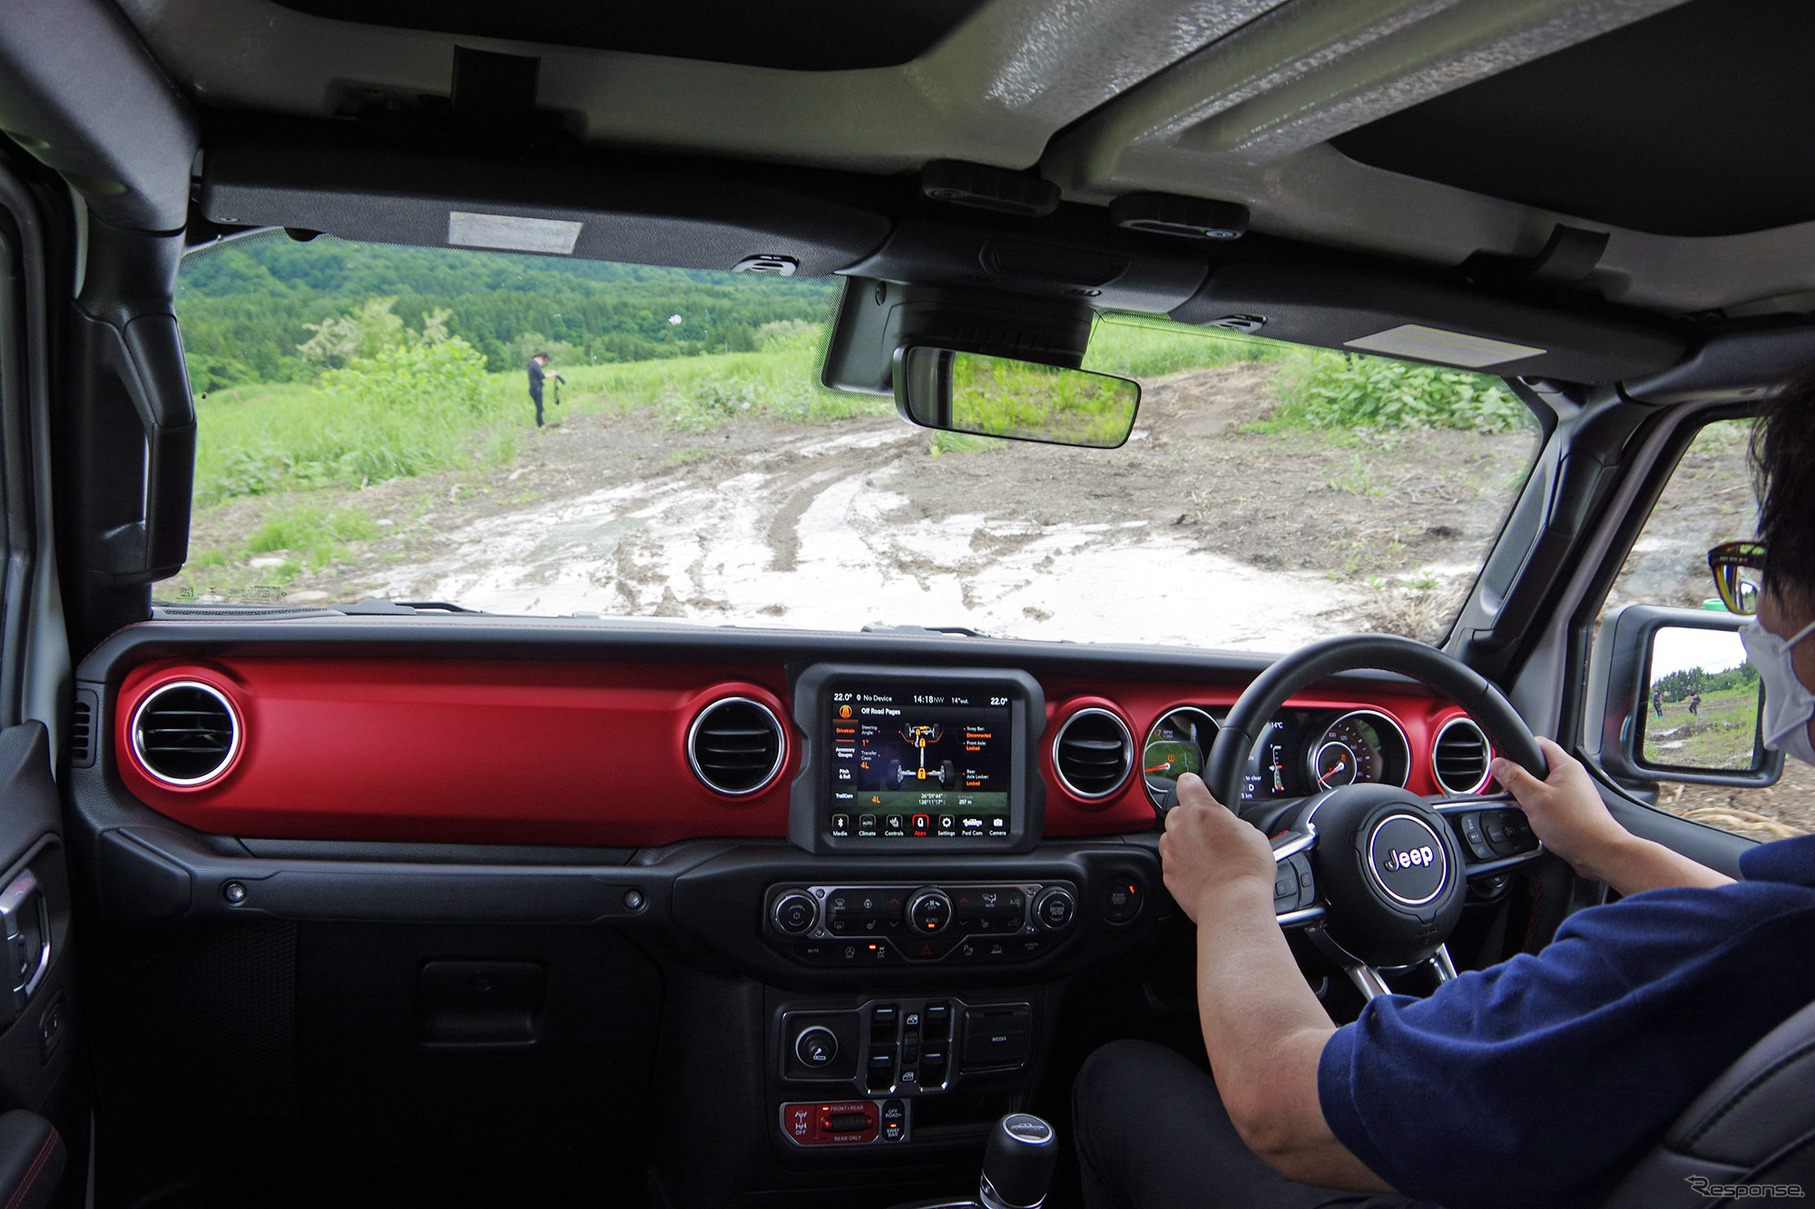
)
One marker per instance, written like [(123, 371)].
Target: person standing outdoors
[(538, 370)]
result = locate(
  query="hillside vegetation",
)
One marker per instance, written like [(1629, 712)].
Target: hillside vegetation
[(329, 364), (248, 306)]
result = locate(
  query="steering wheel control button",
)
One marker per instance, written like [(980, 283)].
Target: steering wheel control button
[(1055, 908), (1475, 838), (929, 911), (816, 1047), (1121, 901), (1407, 859), (795, 913), (1507, 833)]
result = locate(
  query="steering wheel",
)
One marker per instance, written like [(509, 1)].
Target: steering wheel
[(1376, 874)]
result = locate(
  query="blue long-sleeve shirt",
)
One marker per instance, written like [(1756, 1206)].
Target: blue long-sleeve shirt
[(1541, 1081)]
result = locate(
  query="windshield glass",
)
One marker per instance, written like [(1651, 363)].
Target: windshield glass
[(368, 428)]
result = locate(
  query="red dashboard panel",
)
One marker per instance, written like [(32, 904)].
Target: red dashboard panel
[(463, 751), (1140, 705), (526, 752)]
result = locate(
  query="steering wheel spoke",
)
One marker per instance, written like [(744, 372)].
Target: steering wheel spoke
[(1295, 900), (1493, 833), (1371, 980)]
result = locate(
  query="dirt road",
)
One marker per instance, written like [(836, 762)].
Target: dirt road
[(1194, 533)]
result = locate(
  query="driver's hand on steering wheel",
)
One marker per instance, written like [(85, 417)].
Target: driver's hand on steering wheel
[(1206, 848), (1565, 810)]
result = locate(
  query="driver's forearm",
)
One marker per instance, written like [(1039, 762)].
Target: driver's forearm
[(1634, 865), (1265, 1031)]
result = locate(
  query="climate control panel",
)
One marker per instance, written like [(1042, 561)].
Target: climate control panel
[(905, 923)]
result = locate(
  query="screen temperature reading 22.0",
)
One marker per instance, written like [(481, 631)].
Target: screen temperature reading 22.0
[(920, 762)]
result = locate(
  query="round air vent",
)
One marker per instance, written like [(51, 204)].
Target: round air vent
[(1460, 756), (735, 746), (185, 733), (1093, 753)]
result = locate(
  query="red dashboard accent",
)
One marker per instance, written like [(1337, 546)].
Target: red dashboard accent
[(1143, 704), (464, 751), (537, 752)]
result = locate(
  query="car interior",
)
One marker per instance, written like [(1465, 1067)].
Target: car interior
[(404, 903)]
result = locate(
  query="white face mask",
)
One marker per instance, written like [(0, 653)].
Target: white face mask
[(1788, 702)]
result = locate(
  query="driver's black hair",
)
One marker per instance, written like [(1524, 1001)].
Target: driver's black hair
[(1783, 470)]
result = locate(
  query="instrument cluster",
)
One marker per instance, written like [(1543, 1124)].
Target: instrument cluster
[(1302, 751)]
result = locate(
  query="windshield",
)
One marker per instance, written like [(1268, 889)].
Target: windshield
[(368, 427)]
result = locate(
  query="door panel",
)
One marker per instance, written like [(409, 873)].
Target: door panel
[(37, 976)]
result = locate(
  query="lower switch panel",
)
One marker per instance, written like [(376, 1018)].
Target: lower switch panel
[(845, 1123)]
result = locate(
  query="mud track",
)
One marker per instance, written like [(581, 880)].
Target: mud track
[(1194, 533)]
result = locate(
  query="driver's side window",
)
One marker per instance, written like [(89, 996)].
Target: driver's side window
[(1707, 501)]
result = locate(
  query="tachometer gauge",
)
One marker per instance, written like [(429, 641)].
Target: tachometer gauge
[(1336, 765), (1175, 746), (1362, 747)]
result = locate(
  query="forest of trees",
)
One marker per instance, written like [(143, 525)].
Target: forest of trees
[(245, 306), (1679, 684)]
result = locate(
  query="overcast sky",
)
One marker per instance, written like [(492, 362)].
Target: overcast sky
[(1677, 647)]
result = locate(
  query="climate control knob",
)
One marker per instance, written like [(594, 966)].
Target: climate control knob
[(929, 911), (1055, 908), (794, 913)]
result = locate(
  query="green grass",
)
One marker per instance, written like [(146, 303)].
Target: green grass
[(315, 535), (1719, 735), (282, 437), (1344, 392), (296, 436), (698, 393), (1132, 346)]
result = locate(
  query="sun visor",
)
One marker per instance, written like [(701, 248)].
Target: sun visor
[(591, 212), (1349, 308)]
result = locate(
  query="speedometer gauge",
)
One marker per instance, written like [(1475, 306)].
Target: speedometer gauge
[(1175, 746), (1361, 747)]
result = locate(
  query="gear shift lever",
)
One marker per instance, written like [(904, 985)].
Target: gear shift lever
[(1018, 1164)]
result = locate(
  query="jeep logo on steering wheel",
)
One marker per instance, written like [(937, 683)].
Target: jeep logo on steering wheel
[(1406, 860), (1407, 857)]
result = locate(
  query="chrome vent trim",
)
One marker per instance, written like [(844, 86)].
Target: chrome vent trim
[(1460, 756), (185, 733), (736, 746), (1093, 753)]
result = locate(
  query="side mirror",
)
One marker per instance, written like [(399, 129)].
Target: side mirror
[(1020, 400), (1678, 700)]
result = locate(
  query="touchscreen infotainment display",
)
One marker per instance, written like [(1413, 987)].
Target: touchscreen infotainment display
[(913, 760)]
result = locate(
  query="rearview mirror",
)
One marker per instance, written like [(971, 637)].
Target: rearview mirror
[(1677, 700), (1019, 400)]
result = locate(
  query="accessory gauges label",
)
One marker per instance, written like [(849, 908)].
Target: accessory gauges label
[(919, 762)]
